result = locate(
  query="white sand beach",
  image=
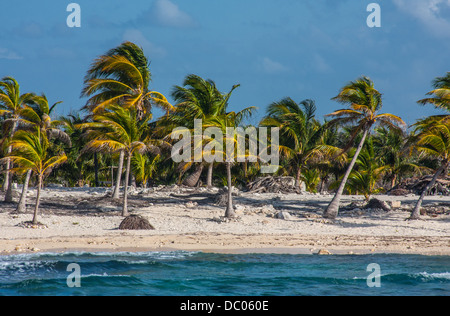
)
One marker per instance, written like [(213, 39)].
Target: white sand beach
[(87, 219)]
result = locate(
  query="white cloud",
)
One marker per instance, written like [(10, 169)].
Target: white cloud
[(166, 13), (139, 39), (6, 53), (429, 12), (272, 67)]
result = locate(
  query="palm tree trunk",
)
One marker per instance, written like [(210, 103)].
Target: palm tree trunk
[(97, 184), (22, 207), (119, 176), (7, 187), (192, 180), (210, 175), (333, 208), (125, 189), (38, 197), (297, 178), (393, 181), (229, 213), (415, 214)]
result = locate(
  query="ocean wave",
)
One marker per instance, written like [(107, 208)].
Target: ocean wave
[(435, 276)]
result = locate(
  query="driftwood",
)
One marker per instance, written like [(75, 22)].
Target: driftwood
[(283, 185), (417, 185)]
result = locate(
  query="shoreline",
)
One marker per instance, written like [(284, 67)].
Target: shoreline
[(86, 219), (233, 244)]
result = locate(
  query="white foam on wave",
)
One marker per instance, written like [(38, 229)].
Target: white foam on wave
[(426, 275)]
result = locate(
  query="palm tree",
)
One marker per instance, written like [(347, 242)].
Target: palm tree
[(122, 76), (369, 170), (197, 99), (143, 167), (365, 103), (433, 140), (30, 151), (35, 116), (11, 102), (118, 129), (394, 149), (230, 120), (300, 133), (440, 96)]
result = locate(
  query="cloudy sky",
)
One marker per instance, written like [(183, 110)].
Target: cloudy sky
[(304, 49)]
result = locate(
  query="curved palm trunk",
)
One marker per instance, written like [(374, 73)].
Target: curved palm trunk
[(210, 175), (22, 207), (333, 208), (38, 197), (119, 175), (192, 180), (125, 189), (415, 214), (229, 213)]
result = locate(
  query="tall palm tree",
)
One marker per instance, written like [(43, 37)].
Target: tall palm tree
[(11, 102), (365, 102), (433, 140), (230, 120), (118, 129), (198, 98), (300, 133), (122, 76), (37, 116), (30, 151)]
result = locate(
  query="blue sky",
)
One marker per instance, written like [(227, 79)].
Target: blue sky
[(304, 49)]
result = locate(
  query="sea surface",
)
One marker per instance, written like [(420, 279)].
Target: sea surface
[(208, 274)]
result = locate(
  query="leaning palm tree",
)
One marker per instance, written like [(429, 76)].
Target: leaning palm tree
[(118, 129), (433, 140), (122, 76), (365, 103), (11, 102), (35, 116), (30, 151)]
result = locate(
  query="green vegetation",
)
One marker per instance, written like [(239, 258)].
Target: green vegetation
[(357, 151)]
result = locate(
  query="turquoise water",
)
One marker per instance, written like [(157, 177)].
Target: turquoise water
[(205, 274)]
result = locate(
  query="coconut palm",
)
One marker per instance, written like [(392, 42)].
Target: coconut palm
[(30, 150), (143, 167), (229, 121), (37, 115), (365, 102), (433, 140), (300, 133), (394, 149), (122, 76), (369, 169), (118, 129), (440, 96), (11, 102), (196, 99)]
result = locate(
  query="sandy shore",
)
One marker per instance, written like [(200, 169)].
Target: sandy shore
[(86, 219)]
